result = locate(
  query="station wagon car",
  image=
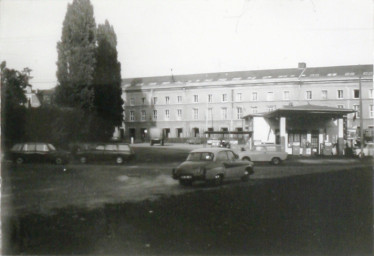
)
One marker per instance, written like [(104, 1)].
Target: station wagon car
[(37, 152), (212, 165), (264, 153), (117, 152)]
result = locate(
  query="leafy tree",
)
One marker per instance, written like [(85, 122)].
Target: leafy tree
[(76, 57), (13, 100), (107, 84)]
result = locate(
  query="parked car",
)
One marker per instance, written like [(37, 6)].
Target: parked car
[(212, 165), (37, 152), (118, 152), (264, 153), (367, 151), (195, 140)]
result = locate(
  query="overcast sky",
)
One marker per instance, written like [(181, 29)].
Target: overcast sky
[(196, 36)]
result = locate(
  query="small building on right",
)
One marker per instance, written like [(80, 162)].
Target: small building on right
[(301, 130)]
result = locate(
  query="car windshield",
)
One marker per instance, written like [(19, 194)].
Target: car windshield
[(200, 156)]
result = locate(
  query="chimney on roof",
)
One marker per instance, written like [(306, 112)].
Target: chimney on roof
[(302, 65)]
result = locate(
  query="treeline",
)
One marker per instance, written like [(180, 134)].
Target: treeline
[(88, 101)]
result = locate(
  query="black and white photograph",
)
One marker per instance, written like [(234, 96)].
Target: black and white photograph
[(187, 127)]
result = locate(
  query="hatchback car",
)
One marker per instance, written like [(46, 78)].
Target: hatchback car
[(212, 165), (117, 152), (264, 153), (37, 152)]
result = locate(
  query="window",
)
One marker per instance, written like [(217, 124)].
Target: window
[(29, 147), (286, 95), (210, 98), (143, 115), (371, 95), (110, 147), (254, 110), (231, 155), (210, 113), (224, 97), (324, 94), (271, 108), (195, 114), (179, 99), (196, 98), (239, 113), (254, 96), (340, 106), (308, 95), (224, 113), (154, 114), (132, 101), (238, 97), (143, 100), (154, 100), (167, 100), (371, 111), (356, 93), (167, 114), (132, 116), (340, 94), (41, 147), (179, 114), (270, 96), (222, 156), (357, 108)]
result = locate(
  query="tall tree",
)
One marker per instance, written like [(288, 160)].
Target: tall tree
[(13, 101), (76, 57), (107, 83)]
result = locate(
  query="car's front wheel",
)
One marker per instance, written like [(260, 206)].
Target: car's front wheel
[(119, 160), (19, 160), (275, 161), (58, 160), (83, 160), (218, 180)]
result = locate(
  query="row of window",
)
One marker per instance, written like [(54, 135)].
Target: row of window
[(195, 114), (224, 113), (254, 97)]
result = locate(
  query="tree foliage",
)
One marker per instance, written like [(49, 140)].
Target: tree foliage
[(76, 56), (107, 83), (13, 101)]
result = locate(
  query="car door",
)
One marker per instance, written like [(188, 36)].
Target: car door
[(98, 153), (227, 163), (236, 164), (41, 152), (258, 154), (110, 151), (29, 152)]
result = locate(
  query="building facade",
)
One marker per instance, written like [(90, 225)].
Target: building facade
[(189, 105)]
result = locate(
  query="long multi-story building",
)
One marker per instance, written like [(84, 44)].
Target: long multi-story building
[(189, 105)]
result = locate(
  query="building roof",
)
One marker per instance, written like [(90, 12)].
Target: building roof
[(313, 72), (305, 110)]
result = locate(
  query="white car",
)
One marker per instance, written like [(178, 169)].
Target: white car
[(368, 150), (264, 153)]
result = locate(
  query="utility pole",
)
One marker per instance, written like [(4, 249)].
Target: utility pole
[(361, 115)]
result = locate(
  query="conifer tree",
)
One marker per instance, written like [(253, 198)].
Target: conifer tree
[(107, 82), (76, 57)]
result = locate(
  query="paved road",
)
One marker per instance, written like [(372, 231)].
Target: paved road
[(305, 206), (46, 188)]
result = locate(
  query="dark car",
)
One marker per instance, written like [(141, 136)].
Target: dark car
[(212, 165), (37, 152), (118, 152)]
